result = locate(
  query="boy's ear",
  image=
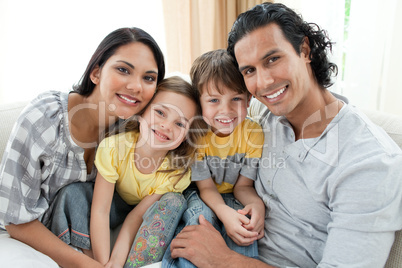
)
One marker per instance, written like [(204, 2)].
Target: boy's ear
[(95, 75)]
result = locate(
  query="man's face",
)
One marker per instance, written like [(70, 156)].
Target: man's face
[(273, 72)]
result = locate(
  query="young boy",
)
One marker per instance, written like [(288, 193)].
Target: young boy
[(227, 158)]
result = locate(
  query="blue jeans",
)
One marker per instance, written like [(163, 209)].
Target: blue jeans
[(71, 215), (196, 207)]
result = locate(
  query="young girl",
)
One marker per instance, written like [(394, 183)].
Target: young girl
[(54, 140), (152, 157)]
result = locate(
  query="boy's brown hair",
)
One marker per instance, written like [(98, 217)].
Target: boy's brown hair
[(218, 67)]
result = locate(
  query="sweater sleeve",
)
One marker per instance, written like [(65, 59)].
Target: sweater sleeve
[(366, 205), (28, 161)]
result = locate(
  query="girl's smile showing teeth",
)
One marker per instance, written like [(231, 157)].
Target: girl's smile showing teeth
[(160, 135)]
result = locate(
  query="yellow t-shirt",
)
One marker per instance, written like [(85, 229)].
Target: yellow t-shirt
[(224, 158), (115, 162)]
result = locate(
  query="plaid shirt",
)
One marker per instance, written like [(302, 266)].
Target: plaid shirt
[(40, 159)]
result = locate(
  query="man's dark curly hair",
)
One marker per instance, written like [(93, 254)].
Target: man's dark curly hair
[(294, 30)]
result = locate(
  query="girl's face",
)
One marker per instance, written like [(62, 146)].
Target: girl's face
[(165, 123), (127, 80)]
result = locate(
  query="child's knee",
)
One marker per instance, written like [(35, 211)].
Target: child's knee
[(174, 200)]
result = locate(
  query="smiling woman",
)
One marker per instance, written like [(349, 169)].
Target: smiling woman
[(46, 44), (55, 139)]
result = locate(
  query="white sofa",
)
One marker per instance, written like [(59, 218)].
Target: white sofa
[(15, 254)]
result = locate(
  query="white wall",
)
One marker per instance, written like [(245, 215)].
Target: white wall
[(46, 44)]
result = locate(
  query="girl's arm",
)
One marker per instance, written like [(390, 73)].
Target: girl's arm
[(232, 220), (129, 230), (244, 191), (99, 223), (36, 235)]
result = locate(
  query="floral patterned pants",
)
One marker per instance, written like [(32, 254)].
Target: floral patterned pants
[(157, 230)]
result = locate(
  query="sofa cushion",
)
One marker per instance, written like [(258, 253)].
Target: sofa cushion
[(391, 123)]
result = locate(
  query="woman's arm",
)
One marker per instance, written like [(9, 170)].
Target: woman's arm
[(244, 191), (36, 235), (129, 230), (99, 224)]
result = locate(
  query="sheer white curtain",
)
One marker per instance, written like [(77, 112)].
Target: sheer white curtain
[(46, 44)]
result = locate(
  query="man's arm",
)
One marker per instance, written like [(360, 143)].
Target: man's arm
[(36, 235), (365, 212), (194, 244)]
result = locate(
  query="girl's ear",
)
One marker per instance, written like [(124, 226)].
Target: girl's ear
[(95, 75)]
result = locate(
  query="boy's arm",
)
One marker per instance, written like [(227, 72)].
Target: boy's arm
[(211, 197), (130, 228), (99, 224), (232, 220), (244, 191)]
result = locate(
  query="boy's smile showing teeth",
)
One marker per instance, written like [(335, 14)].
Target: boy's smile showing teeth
[(225, 121), (223, 109)]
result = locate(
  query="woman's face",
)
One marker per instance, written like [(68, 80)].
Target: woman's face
[(165, 123), (127, 81)]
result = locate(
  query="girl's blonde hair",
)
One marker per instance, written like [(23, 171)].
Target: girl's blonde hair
[(183, 156)]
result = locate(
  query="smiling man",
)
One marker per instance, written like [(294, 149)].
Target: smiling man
[(336, 198)]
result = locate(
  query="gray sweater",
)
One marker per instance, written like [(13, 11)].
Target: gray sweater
[(332, 201)]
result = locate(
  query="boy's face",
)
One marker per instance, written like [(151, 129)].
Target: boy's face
[(223, 112)]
